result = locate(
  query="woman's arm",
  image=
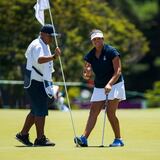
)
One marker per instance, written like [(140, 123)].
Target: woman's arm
[(117, 72), (87, 71)]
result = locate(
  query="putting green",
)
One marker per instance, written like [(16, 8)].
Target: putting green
[(140, 130)]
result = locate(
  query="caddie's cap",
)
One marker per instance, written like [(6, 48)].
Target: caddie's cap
[(96, 33), (48, 28)]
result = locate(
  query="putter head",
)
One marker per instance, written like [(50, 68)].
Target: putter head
[(77, 145), (76, 142), (101, 146)]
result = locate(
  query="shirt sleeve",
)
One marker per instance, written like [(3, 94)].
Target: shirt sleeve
[(114, 53), (37, 52), (88, 58)]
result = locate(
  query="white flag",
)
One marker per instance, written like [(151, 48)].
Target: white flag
[(39, 7)]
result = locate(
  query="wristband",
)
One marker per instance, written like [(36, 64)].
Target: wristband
[(54, 57)]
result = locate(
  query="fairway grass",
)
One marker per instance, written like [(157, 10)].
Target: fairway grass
[(140, 130)]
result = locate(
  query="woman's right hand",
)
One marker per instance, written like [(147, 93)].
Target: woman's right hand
[(87, 71)]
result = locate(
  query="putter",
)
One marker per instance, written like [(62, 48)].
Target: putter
[(104, 122)]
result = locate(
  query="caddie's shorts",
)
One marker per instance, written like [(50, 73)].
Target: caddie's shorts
[(117, 92), (38, 98)]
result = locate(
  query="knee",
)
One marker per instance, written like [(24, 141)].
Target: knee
[(94, 113), (111, 116)]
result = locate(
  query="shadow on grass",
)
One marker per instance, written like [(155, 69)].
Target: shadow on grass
[(22, 146), (93, 147)]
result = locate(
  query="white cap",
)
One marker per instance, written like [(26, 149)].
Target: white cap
[(96, 34)]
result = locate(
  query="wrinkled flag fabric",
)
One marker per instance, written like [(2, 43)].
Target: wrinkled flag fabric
[(39, 7)]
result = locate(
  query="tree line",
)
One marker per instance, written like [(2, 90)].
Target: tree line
[(130, 26)]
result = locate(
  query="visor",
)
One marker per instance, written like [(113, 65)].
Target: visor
[(96, 35)]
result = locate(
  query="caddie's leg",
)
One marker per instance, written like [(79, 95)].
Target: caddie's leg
[(39, 123), (28, 124)]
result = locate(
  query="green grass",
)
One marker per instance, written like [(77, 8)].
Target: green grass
[(140, 130)]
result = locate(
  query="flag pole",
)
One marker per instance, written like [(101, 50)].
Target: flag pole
[(68, 101)]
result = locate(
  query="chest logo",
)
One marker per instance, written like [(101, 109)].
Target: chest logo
[(104, 58)]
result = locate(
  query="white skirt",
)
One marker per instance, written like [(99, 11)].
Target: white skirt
[(117, 92)]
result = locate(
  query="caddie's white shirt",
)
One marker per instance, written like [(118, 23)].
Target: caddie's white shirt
[(37, 49)]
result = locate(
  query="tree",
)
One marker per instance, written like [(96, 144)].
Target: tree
[(92, 14), (18, 27), (153, 95), (74, 20), (145, 14)]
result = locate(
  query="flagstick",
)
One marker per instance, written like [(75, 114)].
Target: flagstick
[(55, 38)]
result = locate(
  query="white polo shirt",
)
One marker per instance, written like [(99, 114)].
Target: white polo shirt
[(36, 49)]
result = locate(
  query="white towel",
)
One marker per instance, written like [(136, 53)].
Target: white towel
[(48, 69), (47, 79)]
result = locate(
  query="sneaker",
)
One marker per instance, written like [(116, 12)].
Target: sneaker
[(82, 141), (24, 139), (117, 143), (43, 142)]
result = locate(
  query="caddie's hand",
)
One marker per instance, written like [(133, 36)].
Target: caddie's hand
[(107, 88), (57, 52)]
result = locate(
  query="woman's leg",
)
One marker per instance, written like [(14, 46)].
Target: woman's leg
[(94, 112), (111, 113)]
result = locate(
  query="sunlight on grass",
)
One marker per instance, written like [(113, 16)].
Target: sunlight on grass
[(140, 130)]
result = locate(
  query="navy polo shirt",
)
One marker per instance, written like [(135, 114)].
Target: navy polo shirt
[(103, 66)]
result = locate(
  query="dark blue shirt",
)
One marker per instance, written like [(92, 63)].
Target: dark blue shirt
[(103, 66)]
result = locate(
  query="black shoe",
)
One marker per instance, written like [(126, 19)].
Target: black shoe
[(43, 142), (24, 139)]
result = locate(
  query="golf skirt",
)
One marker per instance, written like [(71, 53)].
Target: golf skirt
[(117, 92)]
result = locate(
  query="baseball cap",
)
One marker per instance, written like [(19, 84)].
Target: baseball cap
[(48, 28), (96, 34)]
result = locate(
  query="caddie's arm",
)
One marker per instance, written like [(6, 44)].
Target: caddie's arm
[(57, 53), (45, 59)]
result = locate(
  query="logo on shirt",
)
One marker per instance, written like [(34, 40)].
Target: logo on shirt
[(104, 58)]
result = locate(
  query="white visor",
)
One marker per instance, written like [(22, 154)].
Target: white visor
[(96, 35)]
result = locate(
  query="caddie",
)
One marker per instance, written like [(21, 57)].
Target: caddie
[(39, 86)]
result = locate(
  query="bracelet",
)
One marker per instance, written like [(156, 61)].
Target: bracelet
[(54, 57)]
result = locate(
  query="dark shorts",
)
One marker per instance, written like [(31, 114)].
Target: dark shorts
[(38, 98)]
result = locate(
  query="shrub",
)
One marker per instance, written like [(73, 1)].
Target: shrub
[(153, 96)]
